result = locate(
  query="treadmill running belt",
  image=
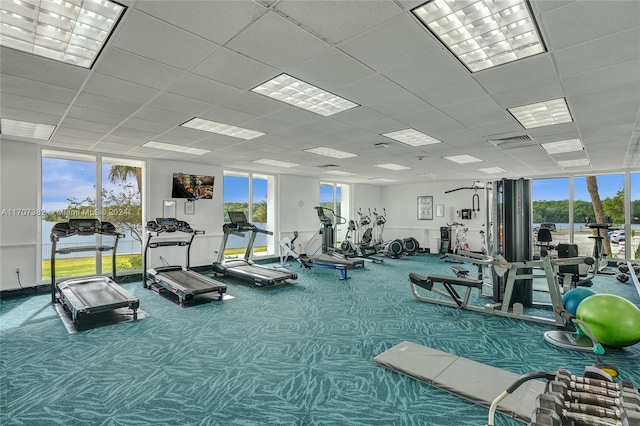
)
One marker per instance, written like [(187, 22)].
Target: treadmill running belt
[(192, 281), (95, 292)]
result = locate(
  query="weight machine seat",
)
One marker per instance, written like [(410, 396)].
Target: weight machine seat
[(427, 282)]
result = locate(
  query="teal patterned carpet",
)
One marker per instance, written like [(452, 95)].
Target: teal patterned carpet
[(297, 355)]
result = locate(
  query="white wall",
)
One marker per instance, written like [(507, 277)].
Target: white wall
[(400, 202), (297, 197), (208, 213), (19, 177)]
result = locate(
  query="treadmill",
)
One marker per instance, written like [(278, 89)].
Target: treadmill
[(329, 255), (245, 269), (178, 280), (89, 295)]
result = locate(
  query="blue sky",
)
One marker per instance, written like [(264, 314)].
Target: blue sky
[(558, 189), (62, 179)]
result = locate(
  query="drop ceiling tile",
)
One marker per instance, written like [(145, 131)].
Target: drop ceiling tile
[(254, 104), (145, 125), (277, 42), (266, 125), (34, 105), (36, 89), (38, 68), (203, 89), (452, 92), (336, 21), (159, 41), (400, 105), (100, 84), (161, 116), (326, 125), (293, 115), (370, 90), (75, 123), (106, 104), (177, 103), (426, 72), (603, 78), (421, 119), (612, 17), (95, 116), (360, 116), (218, 21), (136, 69), (226, 116), (522, 73), (614, 49), (234, 69), (330, 70), (396, 42)]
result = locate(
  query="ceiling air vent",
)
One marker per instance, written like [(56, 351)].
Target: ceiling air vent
[(512, 142), (328, 166)]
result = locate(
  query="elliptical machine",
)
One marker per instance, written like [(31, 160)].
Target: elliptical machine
[(353, 245), (393, 248)]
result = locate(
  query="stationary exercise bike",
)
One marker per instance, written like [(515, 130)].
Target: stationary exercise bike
[(352, 246)]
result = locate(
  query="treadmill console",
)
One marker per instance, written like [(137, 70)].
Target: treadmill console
[(167, 224), (85, 226), (238, 218), (82, 227)]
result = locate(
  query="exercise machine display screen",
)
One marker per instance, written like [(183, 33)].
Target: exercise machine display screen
[(89, 226), (169, 223), (238, 218)]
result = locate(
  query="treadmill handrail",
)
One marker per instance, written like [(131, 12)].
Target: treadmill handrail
[(69, 229)]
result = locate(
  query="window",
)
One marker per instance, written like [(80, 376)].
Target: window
[(609, 190), (90, 186), (551, 208), (253, 195), (633, 243)]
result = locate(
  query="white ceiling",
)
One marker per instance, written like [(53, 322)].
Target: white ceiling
[(170, 61)]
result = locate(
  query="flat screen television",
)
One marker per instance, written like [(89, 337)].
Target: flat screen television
[(193, 187)]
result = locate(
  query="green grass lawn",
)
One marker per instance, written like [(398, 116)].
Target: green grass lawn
[(80, 266)]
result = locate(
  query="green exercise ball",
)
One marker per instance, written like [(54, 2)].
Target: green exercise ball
[(613, 320), (572, 299)]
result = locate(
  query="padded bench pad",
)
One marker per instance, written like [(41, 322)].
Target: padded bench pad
[(422, 281), (471, 380)]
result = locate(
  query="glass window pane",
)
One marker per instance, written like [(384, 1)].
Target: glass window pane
[(122, 206), (68, 191), (551, 208), (600, 199), (236, 198), (260, 212), (634, 241)]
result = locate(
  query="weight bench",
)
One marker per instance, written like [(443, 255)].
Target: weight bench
[(417, 280)]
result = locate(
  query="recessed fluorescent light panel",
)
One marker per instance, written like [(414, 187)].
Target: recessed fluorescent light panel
[(381, 180), (411, 137), (71, 31), (276, 163), (26, 129), (462, 159), (303, 95), (330, 152), (492, 170), (563, 146), (541, 114), (175, 148), (391, 166), (340, 173), (485, 33), (574, 163), (429, 175), (222, 129)]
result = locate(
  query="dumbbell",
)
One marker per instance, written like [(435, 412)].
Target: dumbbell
[(627, 400), (571, 380), (545, 417), (555, 401)]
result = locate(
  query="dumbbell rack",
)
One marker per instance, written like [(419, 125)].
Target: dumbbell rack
[(592, 399)]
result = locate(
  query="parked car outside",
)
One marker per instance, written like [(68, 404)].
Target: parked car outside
[(617, 236)]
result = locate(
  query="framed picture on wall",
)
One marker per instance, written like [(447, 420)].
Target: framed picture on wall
[(425, 207), (440, 210)]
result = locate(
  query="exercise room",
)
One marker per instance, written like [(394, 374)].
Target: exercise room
[(301, 212)]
